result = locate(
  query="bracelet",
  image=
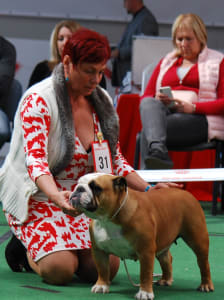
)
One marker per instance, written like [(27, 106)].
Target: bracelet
[(148, 187)]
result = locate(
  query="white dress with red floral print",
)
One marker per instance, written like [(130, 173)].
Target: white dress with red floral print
[(47, 228)]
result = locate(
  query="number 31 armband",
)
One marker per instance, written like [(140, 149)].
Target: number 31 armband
[(102, 157)]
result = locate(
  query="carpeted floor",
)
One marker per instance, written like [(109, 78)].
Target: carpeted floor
[(23, 286)]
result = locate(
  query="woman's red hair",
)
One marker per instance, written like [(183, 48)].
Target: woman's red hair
[(86, 45)]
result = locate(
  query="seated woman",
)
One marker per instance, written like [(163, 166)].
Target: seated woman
[(59, 36), (195, 75)]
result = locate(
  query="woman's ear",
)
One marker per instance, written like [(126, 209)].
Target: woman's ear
[(67, 63)]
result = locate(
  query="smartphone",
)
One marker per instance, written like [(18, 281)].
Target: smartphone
[(167, 91)]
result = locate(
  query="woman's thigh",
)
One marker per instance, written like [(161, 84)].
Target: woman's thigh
[(186, 129)]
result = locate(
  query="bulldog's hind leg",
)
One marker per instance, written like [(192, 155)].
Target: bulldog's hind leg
[(165, 260), (198, 240)]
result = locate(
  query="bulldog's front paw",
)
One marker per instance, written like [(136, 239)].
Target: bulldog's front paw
[(209, 287), (103, 289), (143, 295)]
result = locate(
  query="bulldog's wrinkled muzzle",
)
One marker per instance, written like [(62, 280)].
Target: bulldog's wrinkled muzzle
[(82, 199)]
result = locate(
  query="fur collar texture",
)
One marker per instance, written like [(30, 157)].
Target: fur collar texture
[(103, 107)]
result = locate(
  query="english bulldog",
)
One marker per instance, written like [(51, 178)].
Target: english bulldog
[(141, 225)]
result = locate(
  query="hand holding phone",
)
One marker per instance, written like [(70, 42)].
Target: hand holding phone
[(167, 91)]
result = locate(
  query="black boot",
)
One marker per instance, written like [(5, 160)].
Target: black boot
[(158, 160), (15, 254)]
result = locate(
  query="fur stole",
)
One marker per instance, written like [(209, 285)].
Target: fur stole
[(103, 107)]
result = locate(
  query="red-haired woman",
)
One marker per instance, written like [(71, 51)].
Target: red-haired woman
[(55, 126)]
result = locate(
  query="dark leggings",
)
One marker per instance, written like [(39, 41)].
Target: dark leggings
[(186, 129)]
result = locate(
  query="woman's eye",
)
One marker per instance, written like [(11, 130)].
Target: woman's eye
[(89, 72)]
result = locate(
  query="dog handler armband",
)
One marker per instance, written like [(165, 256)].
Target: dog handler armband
[(102, 159)]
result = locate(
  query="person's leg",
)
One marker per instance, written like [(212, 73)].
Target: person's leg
[(56, 268), (154, 153), (186, 129), (87, 269), (4, 128)]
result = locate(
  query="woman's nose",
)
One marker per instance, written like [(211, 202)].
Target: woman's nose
[(183, 42), (64, 41), (96, 78)]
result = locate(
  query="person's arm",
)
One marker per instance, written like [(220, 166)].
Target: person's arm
[(122, 168), (137, 183), (7, 65), (48, 186), (35, 139), (213, 107)]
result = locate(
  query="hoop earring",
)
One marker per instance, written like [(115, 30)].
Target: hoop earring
[(66, 79)]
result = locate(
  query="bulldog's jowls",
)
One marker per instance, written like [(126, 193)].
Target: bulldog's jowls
[(138, 225)]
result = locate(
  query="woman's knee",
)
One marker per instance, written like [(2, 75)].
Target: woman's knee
[(87, 269), (58, 268)]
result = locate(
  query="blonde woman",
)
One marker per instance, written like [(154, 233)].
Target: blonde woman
[(59, 36), (195, 74)]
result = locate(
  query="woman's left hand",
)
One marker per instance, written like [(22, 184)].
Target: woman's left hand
[(184, 107), (168, 185)]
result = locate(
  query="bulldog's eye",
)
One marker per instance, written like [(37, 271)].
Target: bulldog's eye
[(80, 189), (96, 189)]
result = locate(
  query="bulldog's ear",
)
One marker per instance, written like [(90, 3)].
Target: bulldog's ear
[(96, 189), (120, 183)]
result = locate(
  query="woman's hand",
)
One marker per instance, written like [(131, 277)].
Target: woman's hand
[(47, 185), (167, 185), (184, 107), (165, 100), (61, 200), (176, 104)]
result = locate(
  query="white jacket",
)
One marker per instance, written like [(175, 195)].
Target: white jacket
[(16, 186)]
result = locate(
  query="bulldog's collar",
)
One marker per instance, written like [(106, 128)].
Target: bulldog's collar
[(122, 204)]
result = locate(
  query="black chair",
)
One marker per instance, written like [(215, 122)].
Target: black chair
[(13, 99), (218, 145)]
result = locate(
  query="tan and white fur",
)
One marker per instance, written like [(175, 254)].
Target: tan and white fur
[(141, 225)]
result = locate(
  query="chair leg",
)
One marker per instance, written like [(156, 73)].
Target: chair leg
[(216, 184), (222, 195), (137, 151), (222, 183), (214, 197)]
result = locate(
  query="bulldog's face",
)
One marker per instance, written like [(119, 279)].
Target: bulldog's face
[(98, 195)]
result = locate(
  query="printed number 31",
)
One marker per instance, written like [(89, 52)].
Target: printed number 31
[(102, 161)]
